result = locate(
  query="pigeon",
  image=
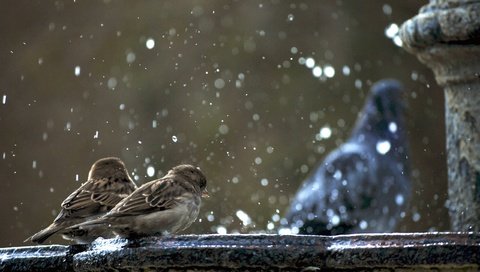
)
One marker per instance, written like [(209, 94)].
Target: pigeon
[(159, 207), (107, 184), (363, 185)]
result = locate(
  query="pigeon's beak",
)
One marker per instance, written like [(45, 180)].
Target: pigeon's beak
[(205, 193)]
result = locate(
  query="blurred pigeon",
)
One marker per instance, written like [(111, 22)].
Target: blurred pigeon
[(161, 206), (108, 182), (363, 185)]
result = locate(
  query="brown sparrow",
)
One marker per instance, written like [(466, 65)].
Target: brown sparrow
[(108, 183), (162, 206)]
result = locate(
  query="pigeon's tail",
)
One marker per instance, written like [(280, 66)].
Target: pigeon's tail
[(44, 234)]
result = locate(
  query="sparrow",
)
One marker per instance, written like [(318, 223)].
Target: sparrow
[(107, 184), (163, 206), (364, 184)]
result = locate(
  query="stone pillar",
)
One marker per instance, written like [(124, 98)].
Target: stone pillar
[(445, 36)]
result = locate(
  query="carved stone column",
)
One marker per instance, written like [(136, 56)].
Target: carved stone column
[(445, 36)]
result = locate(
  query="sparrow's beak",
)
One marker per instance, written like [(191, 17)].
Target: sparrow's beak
[(205, 193)]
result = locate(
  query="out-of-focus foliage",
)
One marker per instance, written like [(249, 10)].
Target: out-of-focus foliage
[(226, 85)]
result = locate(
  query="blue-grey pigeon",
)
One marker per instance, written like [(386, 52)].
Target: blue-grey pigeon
[(363, 185)]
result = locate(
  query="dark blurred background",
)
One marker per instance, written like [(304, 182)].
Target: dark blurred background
[(219, 84)]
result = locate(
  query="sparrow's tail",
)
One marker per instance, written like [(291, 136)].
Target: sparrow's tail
[(88, 224), (43, 235)]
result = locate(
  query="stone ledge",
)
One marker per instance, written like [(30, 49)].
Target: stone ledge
[(368, 252)]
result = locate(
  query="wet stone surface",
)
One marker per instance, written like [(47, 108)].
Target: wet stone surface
[(39, 258), (369, 252)]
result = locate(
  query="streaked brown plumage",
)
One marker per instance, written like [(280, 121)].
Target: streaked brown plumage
[(167, 205), (107, 184)]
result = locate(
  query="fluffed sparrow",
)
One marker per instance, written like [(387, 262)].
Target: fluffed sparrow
[(107, 184)]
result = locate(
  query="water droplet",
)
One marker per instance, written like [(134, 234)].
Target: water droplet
[(398, 41), (391, 31), (77, 71), (235, 180), (387, 9), (310, 62), (335, 220), (329, 71), (383, 147), (363, 224), (304, 168), (317, 71), (219, 83), (221, 230), (358, 84), (325, 133), (290, 17), (270, 226), (112, 83), (264, 182), (223, 129), (131, 57), (150, 171), (333, 195), (244, 217), (399, 199), (392, 127), (416, 217), (150, 43), (337, 175)]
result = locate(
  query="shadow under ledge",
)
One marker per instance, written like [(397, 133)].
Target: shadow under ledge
[(444, 251)]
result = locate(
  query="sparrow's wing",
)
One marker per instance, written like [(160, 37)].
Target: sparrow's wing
[(158, 195), (103, 191)]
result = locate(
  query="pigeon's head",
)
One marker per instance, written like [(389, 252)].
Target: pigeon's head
[(383, 113), (386, 100)]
